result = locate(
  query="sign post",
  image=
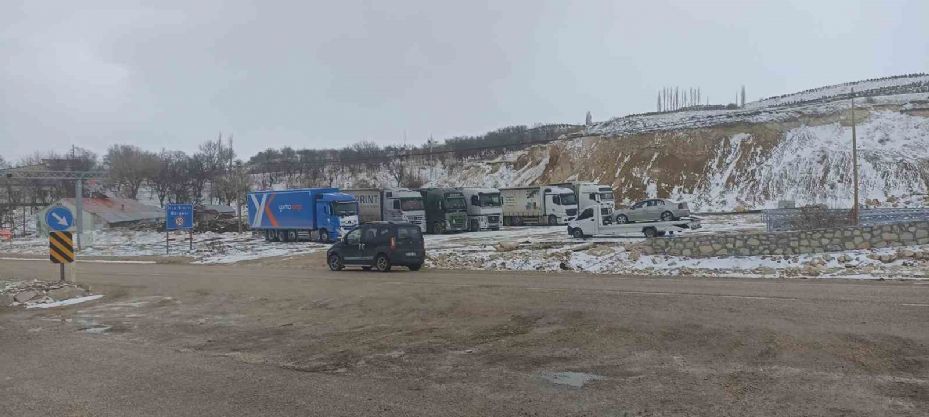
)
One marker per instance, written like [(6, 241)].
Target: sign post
[(179, 217), (60, 221), (61, 250)]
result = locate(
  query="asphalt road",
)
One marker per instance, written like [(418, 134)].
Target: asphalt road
[(299, 340)]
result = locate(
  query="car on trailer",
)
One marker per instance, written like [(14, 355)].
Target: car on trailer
[(652, 210)]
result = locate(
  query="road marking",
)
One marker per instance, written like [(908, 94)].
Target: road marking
[(915, 305)]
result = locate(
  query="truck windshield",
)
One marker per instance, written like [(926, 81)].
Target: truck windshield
[(606, 196), (490, 200), (568, 199), (455, 203), (411, 204), (344, 209)]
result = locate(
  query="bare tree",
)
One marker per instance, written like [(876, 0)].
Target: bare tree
[(233, 185), (129, 167)]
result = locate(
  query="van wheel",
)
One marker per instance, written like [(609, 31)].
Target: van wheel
[(552, 220), (335, 263), (323, 236), (577, 233), (382, 263), (667, 216), (622, 219), (415, 267), (650, 232), (439, 228)]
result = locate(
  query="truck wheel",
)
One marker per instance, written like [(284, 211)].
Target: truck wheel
[(292, 235), (382, 263), (267, 235), (577, 233), (439, 228), (650, 232), (275, 236), (622, 219), (475, 226), (284, 235), (552, 220), (335, 262), (667, 216), (415, 267), (323, 236)]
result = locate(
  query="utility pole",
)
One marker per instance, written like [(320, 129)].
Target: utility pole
[(79, 210), (854, 163)]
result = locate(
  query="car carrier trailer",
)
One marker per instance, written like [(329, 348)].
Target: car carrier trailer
[(590, 223)]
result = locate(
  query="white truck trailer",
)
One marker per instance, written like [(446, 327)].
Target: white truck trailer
[(484, 208), (591, 223), (545, 204), (390, 204)]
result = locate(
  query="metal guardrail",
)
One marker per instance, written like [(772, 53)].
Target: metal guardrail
[(795, 219)]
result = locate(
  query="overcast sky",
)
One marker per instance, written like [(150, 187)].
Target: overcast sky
[(170, 74)]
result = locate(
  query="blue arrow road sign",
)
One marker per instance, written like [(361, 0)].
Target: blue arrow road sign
[(179, 216), (59, 219)]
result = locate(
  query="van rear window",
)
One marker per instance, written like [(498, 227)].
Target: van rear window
[(409, 233)]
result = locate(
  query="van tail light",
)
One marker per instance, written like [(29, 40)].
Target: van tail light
[(393, 243)]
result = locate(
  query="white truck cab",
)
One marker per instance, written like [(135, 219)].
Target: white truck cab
[(592, 222), (484, 205), (591, 193)]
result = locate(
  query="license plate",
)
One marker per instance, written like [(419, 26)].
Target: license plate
[(411, 254)]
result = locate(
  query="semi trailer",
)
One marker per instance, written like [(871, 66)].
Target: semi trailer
[(590, 194), (390, 204), (547, 204), (322, 214)]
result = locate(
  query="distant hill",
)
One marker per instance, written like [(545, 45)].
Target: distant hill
[(791, 147)]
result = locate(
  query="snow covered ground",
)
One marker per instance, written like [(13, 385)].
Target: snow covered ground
[(208, 247), (529, 249)]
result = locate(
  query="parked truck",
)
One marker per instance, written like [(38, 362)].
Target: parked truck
[(446, 210), (590, 194), (484, 208), (322, 214), (391, 204), (547, 204)]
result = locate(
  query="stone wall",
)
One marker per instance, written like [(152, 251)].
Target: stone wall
[(792, 242)]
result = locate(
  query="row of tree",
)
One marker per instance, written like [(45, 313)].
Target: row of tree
[(213, 174)]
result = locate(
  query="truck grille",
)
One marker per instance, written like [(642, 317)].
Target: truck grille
[(493, 219), (416, 219), (571, 212)]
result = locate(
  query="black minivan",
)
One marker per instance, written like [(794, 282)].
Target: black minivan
[(379, 245)]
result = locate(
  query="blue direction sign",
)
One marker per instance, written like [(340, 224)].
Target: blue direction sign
[(179, 216), (59, 219)]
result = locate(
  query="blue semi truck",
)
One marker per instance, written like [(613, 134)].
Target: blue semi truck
[(321, 214)]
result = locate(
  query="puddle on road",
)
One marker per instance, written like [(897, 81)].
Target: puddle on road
[(573, 379)]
